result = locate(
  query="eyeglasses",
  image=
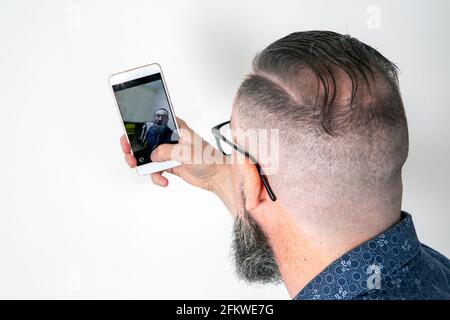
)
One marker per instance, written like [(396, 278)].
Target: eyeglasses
[(226, 147)]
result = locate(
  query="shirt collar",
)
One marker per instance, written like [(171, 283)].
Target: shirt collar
[(365, 267)]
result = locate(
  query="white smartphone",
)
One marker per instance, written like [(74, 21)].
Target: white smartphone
[(146, 112)]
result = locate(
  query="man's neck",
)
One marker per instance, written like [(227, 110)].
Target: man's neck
[(302, 251)]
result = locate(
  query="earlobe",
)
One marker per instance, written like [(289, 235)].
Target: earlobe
[(253, 188)]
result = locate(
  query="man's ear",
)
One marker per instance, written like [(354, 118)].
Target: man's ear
[(253, 187)]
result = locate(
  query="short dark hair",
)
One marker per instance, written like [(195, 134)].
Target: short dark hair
[(276, 82)]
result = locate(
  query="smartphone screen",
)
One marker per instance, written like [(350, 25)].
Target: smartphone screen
[(147, 116)]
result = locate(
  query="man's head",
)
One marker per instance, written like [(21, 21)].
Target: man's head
[(342, 131), (161, 117)]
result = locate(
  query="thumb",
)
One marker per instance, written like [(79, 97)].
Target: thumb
[(166, 152)]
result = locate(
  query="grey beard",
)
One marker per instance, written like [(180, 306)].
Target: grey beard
[(253, 257), (158, 128)]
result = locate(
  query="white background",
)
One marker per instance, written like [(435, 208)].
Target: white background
[(75, 222)]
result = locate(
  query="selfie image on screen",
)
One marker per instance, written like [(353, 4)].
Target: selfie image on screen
[(146, 114)]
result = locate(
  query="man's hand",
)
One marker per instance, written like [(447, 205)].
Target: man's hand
[(210, 173)]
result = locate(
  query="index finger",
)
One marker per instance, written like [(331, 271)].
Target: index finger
[(181, 123), (166, 152)]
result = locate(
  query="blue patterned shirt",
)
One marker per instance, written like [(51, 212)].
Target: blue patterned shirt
[(393, 265)]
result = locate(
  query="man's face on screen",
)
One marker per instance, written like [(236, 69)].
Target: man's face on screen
[(161, 117)]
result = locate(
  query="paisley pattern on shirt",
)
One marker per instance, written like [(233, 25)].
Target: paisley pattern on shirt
[(393, 265)]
